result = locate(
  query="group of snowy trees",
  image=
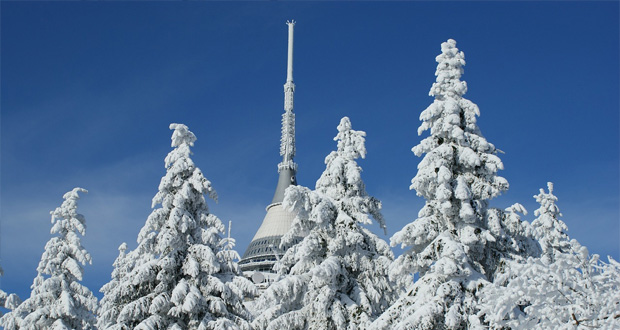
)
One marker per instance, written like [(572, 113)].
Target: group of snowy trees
[(182, 274), (465, 265)]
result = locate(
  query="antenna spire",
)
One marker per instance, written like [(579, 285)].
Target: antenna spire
[(289, 67), (287, 167), (278, 220), (287, 143)]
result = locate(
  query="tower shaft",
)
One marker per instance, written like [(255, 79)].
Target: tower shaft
[(264, 250), (289, 62), (287, 142), (287, 167)]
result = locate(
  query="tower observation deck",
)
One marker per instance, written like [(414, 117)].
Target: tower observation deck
[(264, 249)]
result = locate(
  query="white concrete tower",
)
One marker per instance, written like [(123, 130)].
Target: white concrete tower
[(263, 251)]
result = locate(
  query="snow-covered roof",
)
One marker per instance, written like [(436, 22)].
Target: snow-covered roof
[(277, 222)]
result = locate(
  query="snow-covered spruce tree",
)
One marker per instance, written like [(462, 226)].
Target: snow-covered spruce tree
[(565, 288), (58, 300), (456, 243), (548, 228), (109, 309), (177, 277), (337, 275)]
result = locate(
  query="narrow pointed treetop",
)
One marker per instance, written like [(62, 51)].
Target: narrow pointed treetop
[(109, 310), (181, 136), (448, 83), (549, 229), (342, 180), (350, 142), (67, 223)]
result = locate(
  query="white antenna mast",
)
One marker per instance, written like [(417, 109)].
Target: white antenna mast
[(287, 167), (287, 143)]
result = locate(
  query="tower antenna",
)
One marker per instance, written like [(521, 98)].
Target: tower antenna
[(265, 248), (287, 142)]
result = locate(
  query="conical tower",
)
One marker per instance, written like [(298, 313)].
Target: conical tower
[(263, 251)]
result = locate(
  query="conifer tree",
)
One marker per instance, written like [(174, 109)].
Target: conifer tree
[(337, 275), (564, 288), (108, 311), (456, 243), (550, 231), (177, 277), (58, 300)]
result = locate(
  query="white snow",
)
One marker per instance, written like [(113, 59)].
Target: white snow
[(182, 274), (58, 300), (336, 277)]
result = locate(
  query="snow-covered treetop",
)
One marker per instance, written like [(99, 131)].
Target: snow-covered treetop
[(548, 228), (342, 180), (181, 189), (66, 251), (454, 136), (65, 217), (341, 177), (450, 116), (180, 165), (547, 203), (182, 135), (350, 142), (449, 71)]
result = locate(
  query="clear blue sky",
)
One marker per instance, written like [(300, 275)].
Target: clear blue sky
[(89, 89)]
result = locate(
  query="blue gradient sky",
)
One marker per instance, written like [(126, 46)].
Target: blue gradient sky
[(89, 89)]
